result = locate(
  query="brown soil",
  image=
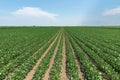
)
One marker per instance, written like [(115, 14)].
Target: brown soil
[(31, 73), (46, 76), (63, 69)]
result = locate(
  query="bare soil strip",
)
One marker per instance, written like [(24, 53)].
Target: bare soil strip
[(32, 72), (63, 68), (81, 75), (46, 76)]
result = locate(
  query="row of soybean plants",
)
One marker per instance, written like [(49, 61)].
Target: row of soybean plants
[(20, 60), (17, 43), (106, 47), (109, 47), (56, 68), (22, 70), (109, 37), (101, 63), (90, 70), (71, 64), (16, 59), (110, 56), (18, 50), (43, 66)]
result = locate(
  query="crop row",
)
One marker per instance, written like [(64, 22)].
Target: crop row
[(56, 69), (9, 53), (105, 52), (90, 70), (72, 68), (22, 71), (18, 65), (101, 64), (44, 63), (107, 56)]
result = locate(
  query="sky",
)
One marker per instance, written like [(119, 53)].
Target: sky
[(59, 12)]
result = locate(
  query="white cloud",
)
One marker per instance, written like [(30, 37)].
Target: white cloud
[(113, 11), (33, 12)]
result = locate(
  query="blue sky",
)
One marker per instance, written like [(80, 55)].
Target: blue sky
[(59, 12)]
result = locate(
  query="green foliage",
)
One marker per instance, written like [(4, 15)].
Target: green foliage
[(96, 49), (101, 47), (18, 47)]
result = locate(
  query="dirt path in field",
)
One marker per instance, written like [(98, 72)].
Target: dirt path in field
[(81, 75), (32, 72), (46, 76), (63, 68)]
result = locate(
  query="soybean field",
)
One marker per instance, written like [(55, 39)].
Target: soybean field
[(59, 53)]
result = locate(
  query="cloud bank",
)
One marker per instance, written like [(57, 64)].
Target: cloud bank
[(114, 11), (33, 12)]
